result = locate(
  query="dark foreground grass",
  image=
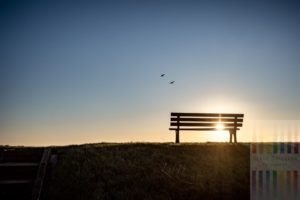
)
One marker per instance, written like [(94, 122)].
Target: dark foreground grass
[(151, 171)]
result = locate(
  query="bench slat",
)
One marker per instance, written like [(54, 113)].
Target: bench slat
[(207, 119), (205, 124), (207, 114), (200, 129)]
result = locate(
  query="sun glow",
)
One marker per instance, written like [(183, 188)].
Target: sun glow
[(219, 126)]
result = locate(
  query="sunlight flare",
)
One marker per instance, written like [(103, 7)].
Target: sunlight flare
[(219, 126)]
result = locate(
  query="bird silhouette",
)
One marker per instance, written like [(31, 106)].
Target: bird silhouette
[(162, 75), (172, 82)]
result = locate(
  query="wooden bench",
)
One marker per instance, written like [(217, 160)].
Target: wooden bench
[(206, 122)]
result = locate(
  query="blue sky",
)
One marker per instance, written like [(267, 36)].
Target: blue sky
[(78, 71)]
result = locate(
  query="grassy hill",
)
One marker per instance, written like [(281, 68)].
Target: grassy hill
[(151, 171)]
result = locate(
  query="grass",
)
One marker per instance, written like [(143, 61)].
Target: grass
[(151, 171)]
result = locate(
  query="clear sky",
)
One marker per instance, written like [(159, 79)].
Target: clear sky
[(89, 71)]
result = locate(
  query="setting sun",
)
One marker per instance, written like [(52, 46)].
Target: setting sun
[(219, 126)]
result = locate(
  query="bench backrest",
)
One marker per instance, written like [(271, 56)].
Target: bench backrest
[(205, 121)]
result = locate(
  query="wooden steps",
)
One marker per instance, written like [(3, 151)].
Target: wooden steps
[(22, 171), (8, 182), (11, 164)]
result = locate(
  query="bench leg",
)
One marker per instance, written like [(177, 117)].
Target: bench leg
[(177, 136), (230, 136), (235, 137)]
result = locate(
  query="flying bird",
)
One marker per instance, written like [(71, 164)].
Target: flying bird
[(172, 82), (162, 75)]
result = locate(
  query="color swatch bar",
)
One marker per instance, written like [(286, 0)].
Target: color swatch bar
[(275, 148), (288, 180), (274, 182), (282, 148), (261, 148), (253, 182), (281, 180), (268, 149), (254, 148), (296, 182), (289, 147), (268, 180), (260, 182)]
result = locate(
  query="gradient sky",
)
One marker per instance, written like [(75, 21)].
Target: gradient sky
[(89, 71)]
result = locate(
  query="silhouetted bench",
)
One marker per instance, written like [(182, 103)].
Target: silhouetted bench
[(206, 122)]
